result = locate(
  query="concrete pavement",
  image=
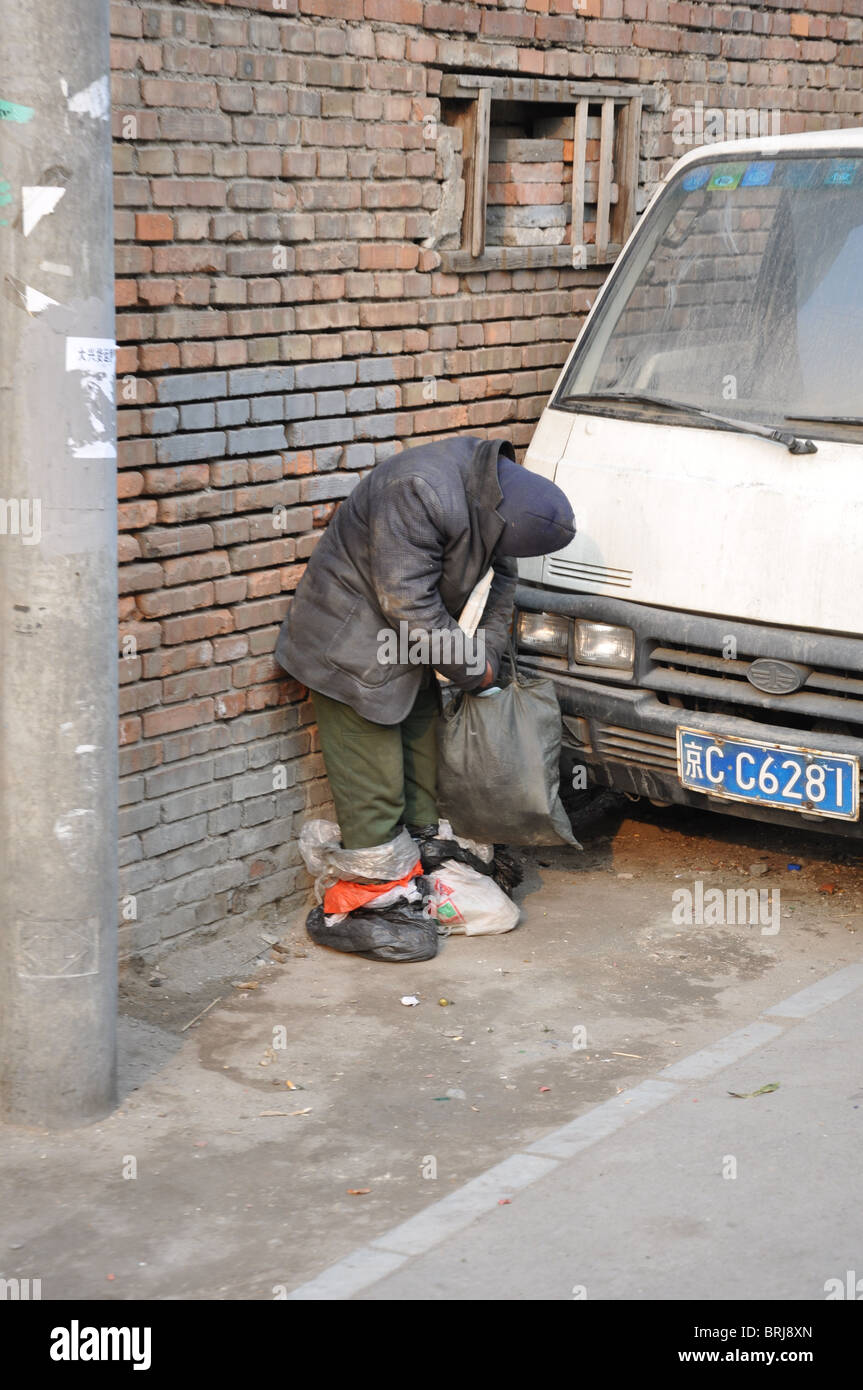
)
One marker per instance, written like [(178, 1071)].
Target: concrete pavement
[(673, 1190), (217, 1180)]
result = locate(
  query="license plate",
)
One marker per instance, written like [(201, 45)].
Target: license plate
[(771, 774)]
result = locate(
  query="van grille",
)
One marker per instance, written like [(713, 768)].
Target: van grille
[(620, 745), (702, 680)]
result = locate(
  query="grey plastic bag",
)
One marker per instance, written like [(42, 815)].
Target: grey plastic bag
[(498, 772), (327, 862)]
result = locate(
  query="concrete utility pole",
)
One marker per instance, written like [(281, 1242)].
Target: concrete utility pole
[(58, 619)]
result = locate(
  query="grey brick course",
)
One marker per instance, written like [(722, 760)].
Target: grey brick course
[(178, 777), (185, 804), (232, 412), (191, 386), (201, 416), (376, 369), (268, 408), (187, 448), (325, 375), (311, 432), (256, 441), (300, 406), (162, 839), (259, 381)]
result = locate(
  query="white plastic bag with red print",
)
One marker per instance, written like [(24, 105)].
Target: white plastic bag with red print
[(467, 903)]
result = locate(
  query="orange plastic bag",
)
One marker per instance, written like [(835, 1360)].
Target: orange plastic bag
[(345, 896)]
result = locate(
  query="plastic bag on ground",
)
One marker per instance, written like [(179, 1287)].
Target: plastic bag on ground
[(402, 932), (468, 903), (402, 893), (495, 860), (436, 850), (506, 869), (327, 862), (347, 896)]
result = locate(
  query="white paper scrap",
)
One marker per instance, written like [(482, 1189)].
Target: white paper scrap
[(36, 203)]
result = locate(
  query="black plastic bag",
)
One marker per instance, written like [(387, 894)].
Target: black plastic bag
[(498, 765), (434, 851), (400, 932), (504, 868)]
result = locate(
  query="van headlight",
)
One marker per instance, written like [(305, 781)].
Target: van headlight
[(543, 632), (602, 644)]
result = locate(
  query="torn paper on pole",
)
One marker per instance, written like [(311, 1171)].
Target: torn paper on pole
[(92, 429)]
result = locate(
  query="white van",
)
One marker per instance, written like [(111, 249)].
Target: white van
[(704, 630)]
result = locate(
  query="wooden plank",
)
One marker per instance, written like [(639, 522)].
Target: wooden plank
[(626, 168), (523, 258), (465, 121), (603, 198), (621, 91), (630, 171), (453, 84), (579, 158), (464, 87), (480, 171)]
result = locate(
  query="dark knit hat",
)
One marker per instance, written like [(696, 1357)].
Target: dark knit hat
[(538, 516)]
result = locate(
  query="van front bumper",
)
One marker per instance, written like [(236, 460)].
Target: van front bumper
[(625, 733)]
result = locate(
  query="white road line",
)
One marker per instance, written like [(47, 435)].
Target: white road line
[(370, 1263), (604, 1119), (721, 1054), (452, 1213), (814, 997), (356, 1271)]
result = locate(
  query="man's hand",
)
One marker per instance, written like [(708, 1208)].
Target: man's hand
[(488, 678)]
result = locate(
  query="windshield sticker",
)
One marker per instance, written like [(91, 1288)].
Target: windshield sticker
[(759, 174), (841, 171), (697, 179), (726, 176)]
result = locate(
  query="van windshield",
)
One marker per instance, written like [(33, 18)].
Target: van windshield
[(743, 295)]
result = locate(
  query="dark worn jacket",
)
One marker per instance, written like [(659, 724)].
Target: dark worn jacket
[(407, 546)]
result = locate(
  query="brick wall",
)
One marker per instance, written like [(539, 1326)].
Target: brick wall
[(282, 327)]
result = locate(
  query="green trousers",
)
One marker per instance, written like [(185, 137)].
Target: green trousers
[(380, 775)]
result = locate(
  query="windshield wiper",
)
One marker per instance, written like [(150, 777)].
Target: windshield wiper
[(790, 441), (827, 419)]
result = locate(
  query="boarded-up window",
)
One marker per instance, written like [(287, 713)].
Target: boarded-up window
[(550, 170)]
